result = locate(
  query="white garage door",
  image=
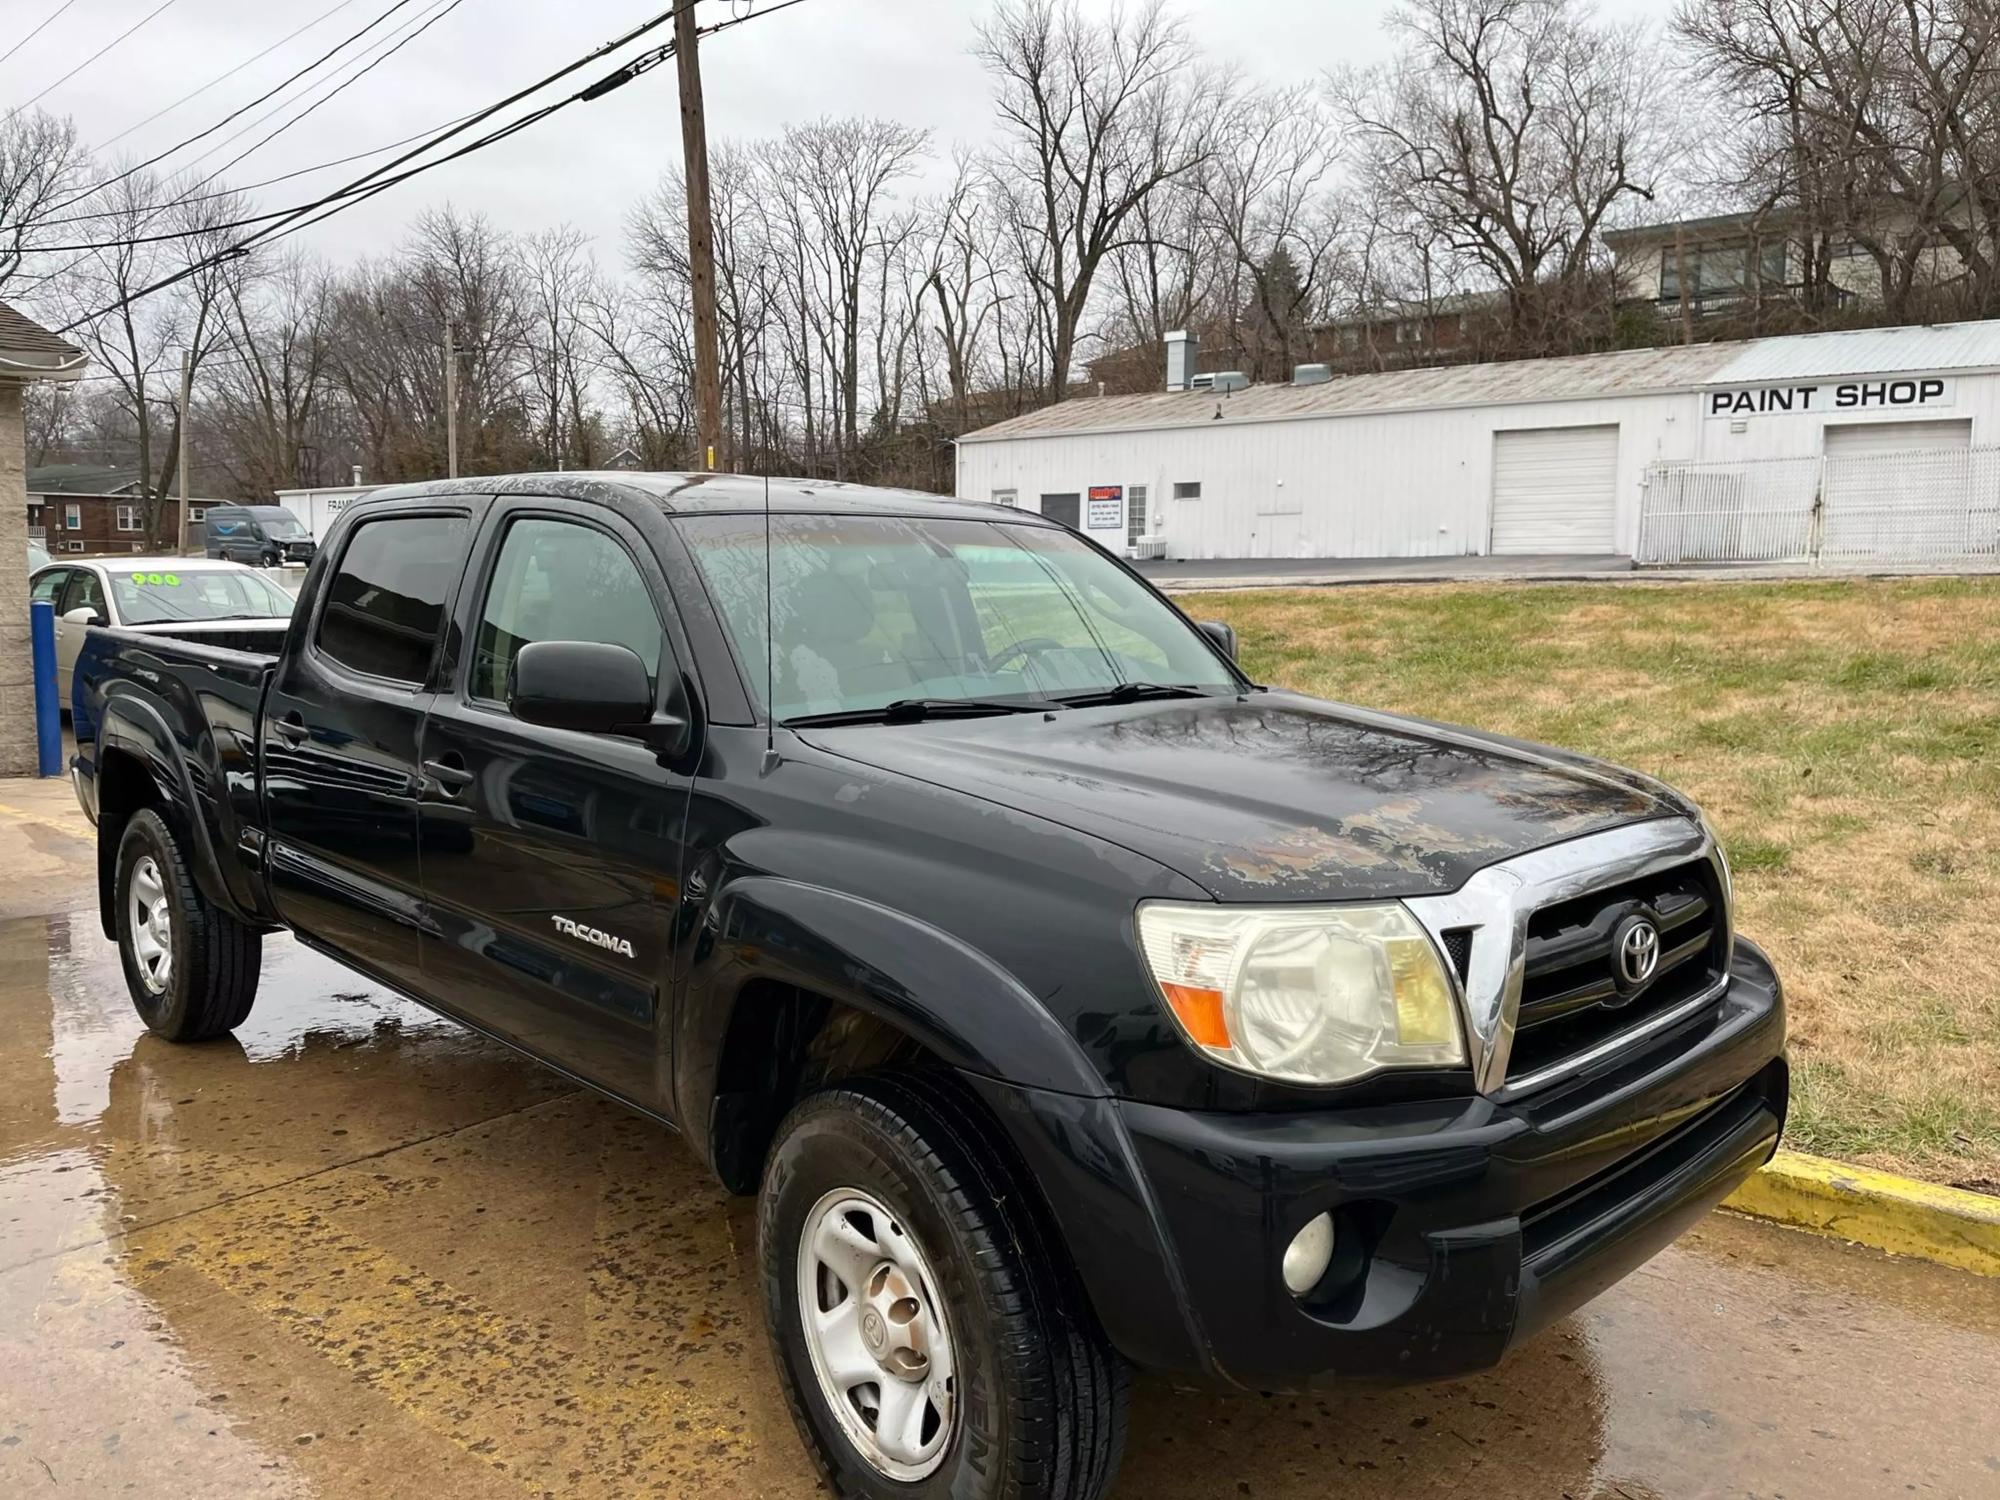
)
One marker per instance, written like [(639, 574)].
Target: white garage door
[(1555, 489), (1896, 437)]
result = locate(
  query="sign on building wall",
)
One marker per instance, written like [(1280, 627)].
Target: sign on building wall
[(1904, 393), (1107, 507)]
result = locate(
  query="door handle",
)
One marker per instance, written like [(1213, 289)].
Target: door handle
[(449, 774), (291, 729)]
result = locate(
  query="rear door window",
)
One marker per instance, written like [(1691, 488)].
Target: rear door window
[(385, 604), (48, 587)]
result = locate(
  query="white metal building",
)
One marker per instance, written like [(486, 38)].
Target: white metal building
[(317, 508), (1542, 456)]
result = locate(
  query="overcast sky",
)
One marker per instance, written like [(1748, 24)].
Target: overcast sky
[(904, 59)]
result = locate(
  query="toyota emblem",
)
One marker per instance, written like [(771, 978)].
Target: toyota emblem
[(1638, 953)]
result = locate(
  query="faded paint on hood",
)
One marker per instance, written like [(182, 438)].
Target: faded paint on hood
[(1275, 797)]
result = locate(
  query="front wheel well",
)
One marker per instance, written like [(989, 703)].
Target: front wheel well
[(783, 1043)]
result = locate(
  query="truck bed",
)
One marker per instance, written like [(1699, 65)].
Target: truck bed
[(188, 712), (252, 637)]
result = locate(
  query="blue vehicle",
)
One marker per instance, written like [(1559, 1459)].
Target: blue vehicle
[(262, 535)]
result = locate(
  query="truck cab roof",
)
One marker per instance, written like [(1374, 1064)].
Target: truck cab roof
[(704, 493)]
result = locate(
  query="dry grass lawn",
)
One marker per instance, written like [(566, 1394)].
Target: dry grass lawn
[(1844, 737)]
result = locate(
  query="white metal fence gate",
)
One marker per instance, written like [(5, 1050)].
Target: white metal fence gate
[(1925, 505)]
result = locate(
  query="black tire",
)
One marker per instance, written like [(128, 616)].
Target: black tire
[(267, 559), (211, 980), (1041, 1397)]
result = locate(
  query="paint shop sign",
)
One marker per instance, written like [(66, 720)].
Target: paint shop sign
[(1902, 393)]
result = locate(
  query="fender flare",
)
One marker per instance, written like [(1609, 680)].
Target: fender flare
[(881, 962), (887, 964), (130, 726)]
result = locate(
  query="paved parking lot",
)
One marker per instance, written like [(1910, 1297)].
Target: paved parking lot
[(358, 1251)]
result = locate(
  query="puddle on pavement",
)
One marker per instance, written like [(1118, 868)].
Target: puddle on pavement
[(358, 1249)]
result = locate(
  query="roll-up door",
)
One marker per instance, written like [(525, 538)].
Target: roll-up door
[(1555, 489)]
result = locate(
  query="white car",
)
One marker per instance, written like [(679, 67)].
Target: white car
[(196, 599)]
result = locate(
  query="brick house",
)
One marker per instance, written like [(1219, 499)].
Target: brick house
[(92, 509)]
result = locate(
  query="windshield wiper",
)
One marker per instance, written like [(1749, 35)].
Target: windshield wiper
[(1132, 692), (915, 710)]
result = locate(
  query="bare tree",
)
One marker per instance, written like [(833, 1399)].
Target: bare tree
[(266, 411), (1095, 116), (151, 232), (1511, 132), (41, 167), (1269, 196), (562, 282), (1866, 123)]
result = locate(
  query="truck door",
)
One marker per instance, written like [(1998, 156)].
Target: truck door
[(340, 734), (552, 857)]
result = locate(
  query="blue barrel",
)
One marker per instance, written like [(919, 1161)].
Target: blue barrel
[(48, 716)]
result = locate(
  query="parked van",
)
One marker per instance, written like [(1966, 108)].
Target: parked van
[(262, 535)]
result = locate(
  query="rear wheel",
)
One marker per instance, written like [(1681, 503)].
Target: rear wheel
[(932, 1338), (191, 968)]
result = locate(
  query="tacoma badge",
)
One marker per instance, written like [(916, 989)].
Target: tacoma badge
[(594, 936)]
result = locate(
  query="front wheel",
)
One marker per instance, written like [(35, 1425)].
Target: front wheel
[(932, 1337), (191, 968)]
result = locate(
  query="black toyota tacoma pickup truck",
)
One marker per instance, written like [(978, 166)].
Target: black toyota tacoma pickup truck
[(1072, 1002)]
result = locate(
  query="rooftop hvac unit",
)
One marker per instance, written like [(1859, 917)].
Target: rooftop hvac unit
[(1312, 374), (1224, 381)]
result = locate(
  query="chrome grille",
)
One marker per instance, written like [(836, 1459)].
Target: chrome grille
[(1571, 995)]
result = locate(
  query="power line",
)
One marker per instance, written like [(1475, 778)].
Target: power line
[(164, 4), (261, 98), (222, 77), (148, 216), (427, 21), (243, 246), (57, 15), (365, 186), (251, 187)]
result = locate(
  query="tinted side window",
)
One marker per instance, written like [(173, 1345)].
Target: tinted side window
[(49, 585), (555, 581), (385, 604)]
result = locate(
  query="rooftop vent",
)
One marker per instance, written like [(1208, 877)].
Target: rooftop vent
[(1224, 381), (1312, 374), (1183, 351)]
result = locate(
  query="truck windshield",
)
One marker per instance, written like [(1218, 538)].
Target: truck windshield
[(873, 610), (149, 597)]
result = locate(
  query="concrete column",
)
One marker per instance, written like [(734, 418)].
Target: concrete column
[(17, 686)]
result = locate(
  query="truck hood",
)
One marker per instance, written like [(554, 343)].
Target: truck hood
[(1276, 797)]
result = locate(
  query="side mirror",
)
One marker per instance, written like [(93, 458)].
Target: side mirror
[(598, 688), (83, 614), (584, 685), (1221, 636)]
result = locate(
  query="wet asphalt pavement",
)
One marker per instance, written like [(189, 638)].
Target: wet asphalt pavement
[(358, 1251)]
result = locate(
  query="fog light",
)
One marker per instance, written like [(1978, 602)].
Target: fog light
[(1308, 1255)]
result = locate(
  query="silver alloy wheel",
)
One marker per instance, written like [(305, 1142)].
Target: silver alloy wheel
[(152, 924), (878, 1334)]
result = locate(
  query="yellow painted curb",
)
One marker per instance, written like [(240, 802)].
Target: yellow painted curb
[(1942, 1224)]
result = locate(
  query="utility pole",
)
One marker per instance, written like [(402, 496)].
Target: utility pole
[(701, 241), (450, 399), (187, 400)]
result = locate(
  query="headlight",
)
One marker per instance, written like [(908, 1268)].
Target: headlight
[(1315, 994)]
